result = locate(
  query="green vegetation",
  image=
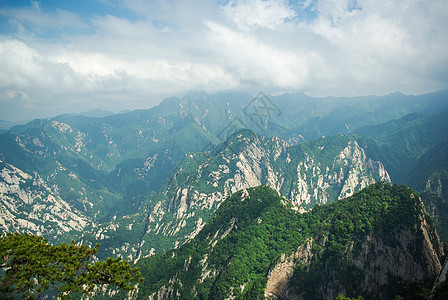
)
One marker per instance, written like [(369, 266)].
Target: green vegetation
[(30, 266), (247, 235), (381, 210), (413, 151), (400, 144)]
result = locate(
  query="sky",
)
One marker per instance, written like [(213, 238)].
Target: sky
[(60, 56)]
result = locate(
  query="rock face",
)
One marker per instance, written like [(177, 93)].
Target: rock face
[(27, 204), (279, 277), (330, 169)]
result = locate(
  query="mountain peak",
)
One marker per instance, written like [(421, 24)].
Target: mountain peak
[(195, 95)]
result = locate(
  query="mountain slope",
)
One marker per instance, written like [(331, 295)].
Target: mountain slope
[(414, 151), (28, 204), (315, 172), (432, 180), (118, 160), (400, 143), (254, 246)]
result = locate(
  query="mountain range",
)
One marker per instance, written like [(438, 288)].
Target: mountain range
[(149, 181)]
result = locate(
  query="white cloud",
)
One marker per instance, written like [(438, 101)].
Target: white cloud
[(342, 48), (380, 47), (24, 67), (253, 14), (254, 63)]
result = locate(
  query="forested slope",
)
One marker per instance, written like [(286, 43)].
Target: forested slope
[(413, 150), (363, 245)]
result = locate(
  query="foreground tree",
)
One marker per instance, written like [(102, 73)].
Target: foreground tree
[(30, 265)]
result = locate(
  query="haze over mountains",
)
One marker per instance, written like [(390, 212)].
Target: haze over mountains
[(148, 181)]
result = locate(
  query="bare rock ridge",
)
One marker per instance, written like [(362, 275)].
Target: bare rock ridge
[(318, 172)]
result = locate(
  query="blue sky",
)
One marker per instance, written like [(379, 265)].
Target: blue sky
[(61, 56)]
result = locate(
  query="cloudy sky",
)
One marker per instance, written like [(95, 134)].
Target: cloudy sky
[(72, 55)]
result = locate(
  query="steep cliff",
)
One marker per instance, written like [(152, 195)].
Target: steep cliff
[(431, 178)]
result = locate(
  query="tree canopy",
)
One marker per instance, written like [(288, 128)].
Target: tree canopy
[(30, 265)]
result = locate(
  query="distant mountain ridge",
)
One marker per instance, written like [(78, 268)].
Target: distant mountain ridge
[(401, 143)]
